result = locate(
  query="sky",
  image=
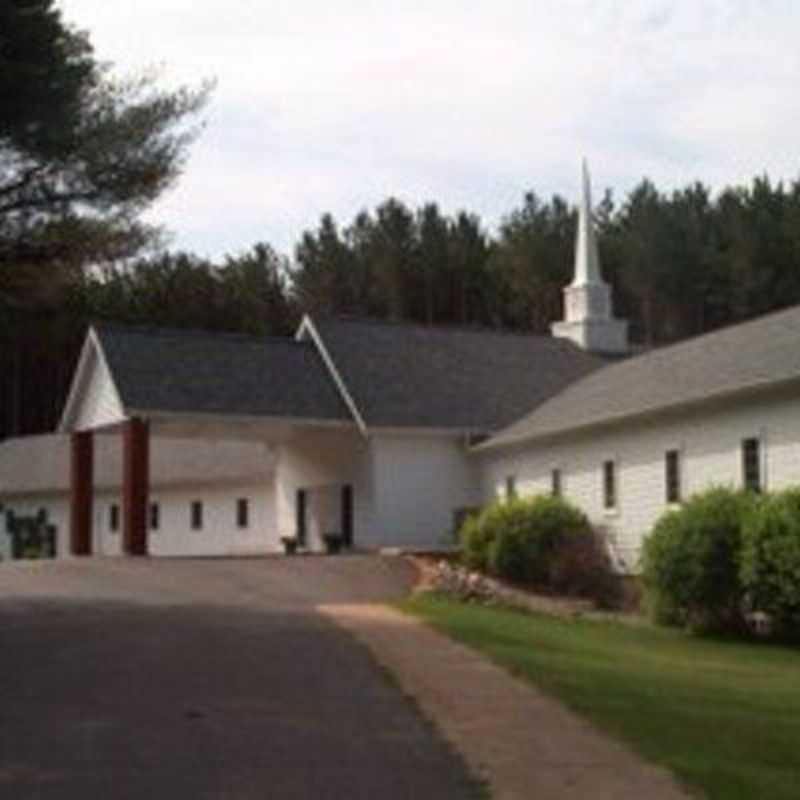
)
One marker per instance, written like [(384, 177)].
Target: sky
[(334, 106)]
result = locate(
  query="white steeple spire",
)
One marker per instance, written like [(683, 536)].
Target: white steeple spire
[(588, 320), (587, 261)]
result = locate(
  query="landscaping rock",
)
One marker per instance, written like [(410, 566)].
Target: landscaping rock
[(465, 585)]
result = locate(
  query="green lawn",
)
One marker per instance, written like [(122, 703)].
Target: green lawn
[(724, 716)]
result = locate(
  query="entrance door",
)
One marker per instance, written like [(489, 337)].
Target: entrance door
[(301, 504), (347, 516)]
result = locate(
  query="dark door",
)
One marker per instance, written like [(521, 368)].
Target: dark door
[(347, 516), (300, 508)]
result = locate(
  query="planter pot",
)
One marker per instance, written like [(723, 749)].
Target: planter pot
[(289, 545), (333, 542)]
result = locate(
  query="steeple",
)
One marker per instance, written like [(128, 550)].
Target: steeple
[(587, 261), (588, 318)]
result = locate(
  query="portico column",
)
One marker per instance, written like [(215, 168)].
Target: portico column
[(81, 490), (135, 485)]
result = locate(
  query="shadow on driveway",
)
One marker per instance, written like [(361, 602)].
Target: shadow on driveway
[(173, 694)]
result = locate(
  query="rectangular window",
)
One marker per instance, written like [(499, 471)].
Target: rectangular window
[(555, 482), (511, 487), (155, 516), (242, 512), (113, 518), (751, 464), (609, 485), (197, 515), (672, 476)]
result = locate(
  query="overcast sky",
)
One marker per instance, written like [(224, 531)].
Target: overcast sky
[(333, 106)]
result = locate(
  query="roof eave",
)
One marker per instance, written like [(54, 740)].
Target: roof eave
[(499, 442), (307, 327)]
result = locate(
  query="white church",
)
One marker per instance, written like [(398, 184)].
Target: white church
[(375, 435)]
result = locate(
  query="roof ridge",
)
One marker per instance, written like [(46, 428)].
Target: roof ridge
[(166, 331), (436, 327)]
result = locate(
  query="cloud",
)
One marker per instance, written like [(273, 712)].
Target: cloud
[(333, 107)]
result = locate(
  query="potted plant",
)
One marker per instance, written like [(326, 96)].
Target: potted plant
[(333, 542), (289, 545)]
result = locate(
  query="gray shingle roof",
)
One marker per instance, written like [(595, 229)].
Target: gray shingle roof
[(746, 357), (207, 372), (402, 375)]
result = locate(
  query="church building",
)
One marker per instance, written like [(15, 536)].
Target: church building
[(375, 435)]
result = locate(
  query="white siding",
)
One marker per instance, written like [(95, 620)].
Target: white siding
[(220, 535), (710, 444), (419, 481)]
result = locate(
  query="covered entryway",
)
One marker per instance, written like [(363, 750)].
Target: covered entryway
[(325, 517)]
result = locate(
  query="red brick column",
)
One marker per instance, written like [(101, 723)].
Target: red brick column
[(81, 490), (135, 486)]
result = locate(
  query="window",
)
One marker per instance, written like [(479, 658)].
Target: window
[(197, 515), (751, 464), (155, 516), (242, 512), (113, 518), (672, 476), (555, 482), (609, 485), (511, 487)]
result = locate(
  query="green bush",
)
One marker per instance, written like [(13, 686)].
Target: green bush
[(518, 539), (475, 538), (770, 560), (690, 562)]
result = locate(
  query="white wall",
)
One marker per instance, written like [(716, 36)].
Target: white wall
[(405, 486), (710, 444), (419, 481), (220, 534)]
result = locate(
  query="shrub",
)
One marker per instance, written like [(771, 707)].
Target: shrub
[(690, 562), (475, 537), (581, 567), (518, 539), (770, 560)]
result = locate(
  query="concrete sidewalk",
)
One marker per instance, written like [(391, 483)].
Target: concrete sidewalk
[(524, 744)]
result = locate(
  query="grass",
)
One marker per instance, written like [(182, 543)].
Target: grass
[(724, 716)]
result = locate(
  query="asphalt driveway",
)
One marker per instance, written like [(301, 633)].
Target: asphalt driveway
[(205, 679)]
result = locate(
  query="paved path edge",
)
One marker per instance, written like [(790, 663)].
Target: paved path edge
[(522, 743)]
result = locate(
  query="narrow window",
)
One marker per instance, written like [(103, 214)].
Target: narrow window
[(511, 487), (555, 482), (609, 485), (155, 516), (751, 464), (197, 515), (113, 518), (672, 476), (242, 512)]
